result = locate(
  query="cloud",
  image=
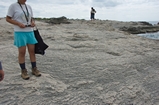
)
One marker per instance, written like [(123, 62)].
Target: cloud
[(105, 3), (125, 10), (134, 10)]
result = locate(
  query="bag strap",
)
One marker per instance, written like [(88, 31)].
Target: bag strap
[(24, 12)]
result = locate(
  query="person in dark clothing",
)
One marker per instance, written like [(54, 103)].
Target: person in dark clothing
[(93, 11), (1, 72)]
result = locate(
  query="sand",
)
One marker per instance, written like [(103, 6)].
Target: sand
[(87, 63)]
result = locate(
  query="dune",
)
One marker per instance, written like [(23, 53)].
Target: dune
[(87, 63)]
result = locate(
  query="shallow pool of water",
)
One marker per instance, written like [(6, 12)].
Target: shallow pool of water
[(150, 35)]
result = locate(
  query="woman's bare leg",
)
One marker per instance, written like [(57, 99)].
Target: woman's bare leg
[(21, 55), (31, 50)]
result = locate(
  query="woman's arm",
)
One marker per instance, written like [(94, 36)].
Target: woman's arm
[(10, 20)]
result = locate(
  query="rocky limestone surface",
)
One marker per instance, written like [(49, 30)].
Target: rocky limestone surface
[(87, 63)]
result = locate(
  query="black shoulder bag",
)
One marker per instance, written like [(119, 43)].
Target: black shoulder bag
[(40, 47)]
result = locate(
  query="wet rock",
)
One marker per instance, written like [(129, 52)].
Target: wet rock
[(140, 29)]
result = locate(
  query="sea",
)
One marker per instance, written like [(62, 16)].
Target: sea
[(154, 36)]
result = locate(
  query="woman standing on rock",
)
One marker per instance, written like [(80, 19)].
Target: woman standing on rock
[(20, 15), (93, 11)]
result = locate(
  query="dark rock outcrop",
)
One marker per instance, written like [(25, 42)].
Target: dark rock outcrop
[(140, 27), (145, 23), (59, 20)]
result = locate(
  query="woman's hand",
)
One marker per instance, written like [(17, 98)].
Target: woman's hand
[(21, 25), (32, 24)]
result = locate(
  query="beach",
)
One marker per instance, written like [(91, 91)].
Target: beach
[(87, 63)]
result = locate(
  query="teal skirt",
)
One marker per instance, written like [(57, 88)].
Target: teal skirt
[(23, 38)]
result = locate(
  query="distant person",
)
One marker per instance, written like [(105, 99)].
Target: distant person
[(21, 16), (93, 11), (1, 72)]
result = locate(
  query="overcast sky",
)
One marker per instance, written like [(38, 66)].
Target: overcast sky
[(121, 10)]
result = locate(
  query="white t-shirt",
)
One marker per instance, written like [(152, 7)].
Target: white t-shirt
[(16, 13)]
